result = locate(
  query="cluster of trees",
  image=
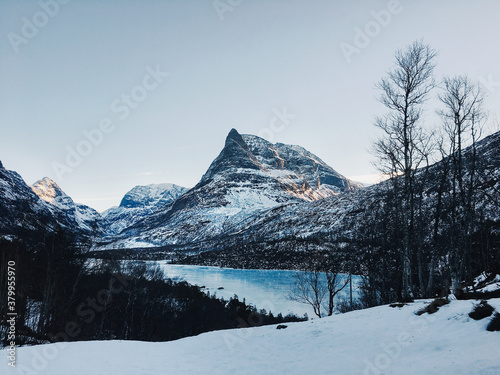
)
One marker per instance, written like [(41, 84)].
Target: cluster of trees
[(63, 295), (429, 230), (285, 253)]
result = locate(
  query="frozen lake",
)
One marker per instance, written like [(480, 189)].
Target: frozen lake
[(265, 289)]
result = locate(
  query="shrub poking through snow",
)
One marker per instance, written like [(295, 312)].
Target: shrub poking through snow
[(434, 306), (481, 311), (281, 326), (398, 304), (480, 295), (494, 324)]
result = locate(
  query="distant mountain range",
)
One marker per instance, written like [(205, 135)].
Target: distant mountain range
[(249, 176), (255, 195)]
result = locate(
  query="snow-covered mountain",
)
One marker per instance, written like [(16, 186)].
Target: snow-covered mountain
[(42, 208), (255, 196), (252, 159), (139, 203), (21, 210), (341, 215), (86, 218), (45, 207), (337, 221), (249, 176), (151, 195)]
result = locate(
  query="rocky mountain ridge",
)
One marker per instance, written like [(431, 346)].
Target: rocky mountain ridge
[(248, 177)]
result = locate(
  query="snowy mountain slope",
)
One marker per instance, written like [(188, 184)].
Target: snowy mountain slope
[(139, 203), (303, 174), (255, 196), (20, 208), (249, 176), (336, 221), (86, 218), (380, 340), (286, 221), (151, 195), (41, 208), (45, 204)]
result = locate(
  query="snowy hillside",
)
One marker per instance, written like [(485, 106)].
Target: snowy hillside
[(381, 340)]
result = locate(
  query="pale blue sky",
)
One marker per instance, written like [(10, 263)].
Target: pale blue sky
[(263, 57)]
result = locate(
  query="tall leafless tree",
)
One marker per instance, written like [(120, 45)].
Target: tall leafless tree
[(405, 146), (335, 285), (463, 117)]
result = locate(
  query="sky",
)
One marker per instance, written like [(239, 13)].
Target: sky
[(104, 95)]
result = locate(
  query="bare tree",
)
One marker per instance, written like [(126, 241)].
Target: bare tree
[(335, 285), (309, 289), (405, 146), (318, 290), (462, 116)]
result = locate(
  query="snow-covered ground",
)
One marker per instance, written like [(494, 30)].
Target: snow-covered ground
[(381, 340)]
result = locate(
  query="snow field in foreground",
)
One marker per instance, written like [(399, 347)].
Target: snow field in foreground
[(381, 340)]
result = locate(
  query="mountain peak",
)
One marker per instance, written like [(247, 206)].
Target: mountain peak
[(47, 183), (248, 177), (48, 190), (235, 154), (233, 133), (151, 195), (1, 165), (251, 160), (235, 138)]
